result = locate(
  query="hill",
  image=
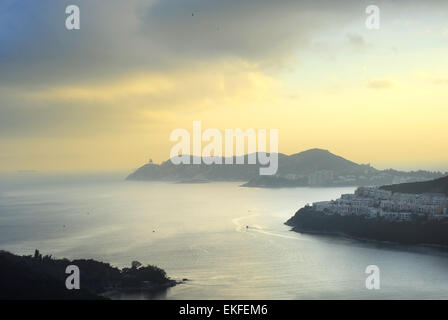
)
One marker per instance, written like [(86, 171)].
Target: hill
[(314, 167), (432, 186), (312, 160), (43, 277)]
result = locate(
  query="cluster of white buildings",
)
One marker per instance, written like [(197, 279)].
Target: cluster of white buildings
[(372, 202), (368, 177)]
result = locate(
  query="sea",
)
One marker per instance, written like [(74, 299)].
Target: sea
[(230, 242)]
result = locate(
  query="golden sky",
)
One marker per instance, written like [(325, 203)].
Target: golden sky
[(107, 96)]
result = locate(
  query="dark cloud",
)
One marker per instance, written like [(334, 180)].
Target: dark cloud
[(37, 47), (129, 36), (247, 29), (119, 36)]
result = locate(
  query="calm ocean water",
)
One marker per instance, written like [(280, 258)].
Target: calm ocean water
[(198, 231)]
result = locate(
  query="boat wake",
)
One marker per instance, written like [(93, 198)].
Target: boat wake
[(240, 227)]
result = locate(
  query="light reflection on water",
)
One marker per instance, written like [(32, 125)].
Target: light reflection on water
[(198, 231)]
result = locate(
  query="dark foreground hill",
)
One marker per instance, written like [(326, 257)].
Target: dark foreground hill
[(42, 277), (433, 186)]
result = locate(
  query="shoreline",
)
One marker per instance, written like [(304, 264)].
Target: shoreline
[(41, 277), (343, 235)]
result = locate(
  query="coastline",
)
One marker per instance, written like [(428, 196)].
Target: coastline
[(44, 277), (367, 240), (381, 231)]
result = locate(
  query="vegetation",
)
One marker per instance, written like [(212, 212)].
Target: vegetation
[(293, 171), (43, 277), (432, 186)]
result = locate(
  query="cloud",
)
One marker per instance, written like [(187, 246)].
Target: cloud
[(121, 37), (356, 40), (439, 81), (137, 68), (380, 84), (129, 103), (246, 29)]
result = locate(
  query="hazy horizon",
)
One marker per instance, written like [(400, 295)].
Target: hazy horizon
[(125, 171)]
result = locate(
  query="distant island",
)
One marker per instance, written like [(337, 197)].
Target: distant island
[(43, 277), (313, 168), (409, 213)]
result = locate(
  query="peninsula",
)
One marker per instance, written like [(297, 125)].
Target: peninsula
[(410, 213), (310, 168)]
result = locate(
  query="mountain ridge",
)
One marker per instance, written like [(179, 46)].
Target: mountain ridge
[(313, 167), (433, 186)]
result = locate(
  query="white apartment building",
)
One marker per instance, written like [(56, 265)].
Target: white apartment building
[(372, 202)]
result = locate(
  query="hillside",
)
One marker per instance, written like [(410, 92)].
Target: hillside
[(43, 277), (314, 167), (432, 232), (433, 186), (303, 163), (312, 160)]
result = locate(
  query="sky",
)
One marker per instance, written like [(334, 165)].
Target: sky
[(107, 96)]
